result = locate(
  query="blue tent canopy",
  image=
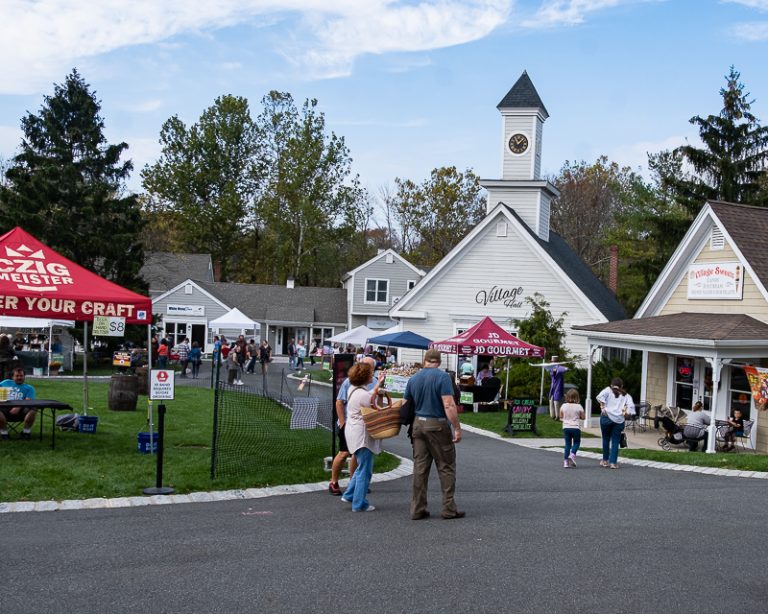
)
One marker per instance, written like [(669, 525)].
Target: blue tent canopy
[(405, 339)]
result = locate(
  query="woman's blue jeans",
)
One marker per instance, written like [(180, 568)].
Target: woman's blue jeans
[(611, 438), (572, 441), (360, 480)]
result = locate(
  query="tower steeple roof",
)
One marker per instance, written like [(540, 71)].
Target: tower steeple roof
[(522, 95)]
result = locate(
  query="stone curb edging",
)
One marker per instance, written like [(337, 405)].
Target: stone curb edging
[(404, 469), (733, 473)]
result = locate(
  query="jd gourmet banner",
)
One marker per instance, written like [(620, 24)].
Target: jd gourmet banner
[(37, 282)]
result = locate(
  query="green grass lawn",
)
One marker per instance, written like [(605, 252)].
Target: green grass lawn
[(318, 375), (497, 420), (746, 461), (108, 464)]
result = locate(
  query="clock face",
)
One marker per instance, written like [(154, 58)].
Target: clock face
[(518, 143)]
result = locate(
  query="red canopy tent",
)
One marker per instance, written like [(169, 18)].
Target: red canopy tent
[(487, 337), (37, 282)]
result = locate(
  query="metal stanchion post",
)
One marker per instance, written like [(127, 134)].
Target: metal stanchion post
[(159, 489)]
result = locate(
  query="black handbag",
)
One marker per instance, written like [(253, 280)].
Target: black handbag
[(623, 440)]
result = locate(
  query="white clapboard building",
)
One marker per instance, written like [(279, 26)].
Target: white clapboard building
[(511, 254)]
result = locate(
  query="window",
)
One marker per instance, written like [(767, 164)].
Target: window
[(377, 291), (410, 284), (501, 229), (739, 393), (685, 370)]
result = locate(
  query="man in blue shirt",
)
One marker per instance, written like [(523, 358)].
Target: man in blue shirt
[(18, 391), (431, 392)]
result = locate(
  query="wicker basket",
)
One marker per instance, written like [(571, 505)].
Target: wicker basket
[(382, 423)]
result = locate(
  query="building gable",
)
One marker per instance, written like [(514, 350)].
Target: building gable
[(735, 227), (470, 275), (189, 299)]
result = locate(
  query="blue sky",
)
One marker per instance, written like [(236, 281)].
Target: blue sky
[(410, 84)]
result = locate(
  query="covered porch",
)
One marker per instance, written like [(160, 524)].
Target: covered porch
[(688, 357)]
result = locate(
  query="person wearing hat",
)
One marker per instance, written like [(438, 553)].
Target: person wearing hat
[(436, 430)]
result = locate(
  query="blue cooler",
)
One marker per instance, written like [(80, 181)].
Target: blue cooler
[(144, 446)]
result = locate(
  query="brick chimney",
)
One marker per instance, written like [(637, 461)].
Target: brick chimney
[(217, 270), (613, 270)]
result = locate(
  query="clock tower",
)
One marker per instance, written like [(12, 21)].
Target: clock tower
[(521, 186)]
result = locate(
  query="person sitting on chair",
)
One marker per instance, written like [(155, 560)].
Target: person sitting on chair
[(696, 427), (19, 391), (735, 429)]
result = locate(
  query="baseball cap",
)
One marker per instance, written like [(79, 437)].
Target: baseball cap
[(432, 356)]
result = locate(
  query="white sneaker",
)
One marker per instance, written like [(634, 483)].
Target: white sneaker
[(370, 508), (572, 460)]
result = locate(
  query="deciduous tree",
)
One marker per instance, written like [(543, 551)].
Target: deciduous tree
[(311, 211), (206, 179), (435, 215)]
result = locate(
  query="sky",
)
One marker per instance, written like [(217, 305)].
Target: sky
[(411, 85)]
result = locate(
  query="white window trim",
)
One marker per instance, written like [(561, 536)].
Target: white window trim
[(410, 284), (365, 291)]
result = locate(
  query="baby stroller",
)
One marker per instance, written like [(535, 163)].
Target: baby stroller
[(673, 434)]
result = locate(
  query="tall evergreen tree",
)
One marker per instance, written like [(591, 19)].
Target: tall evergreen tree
[(67, 186), (734, 157)]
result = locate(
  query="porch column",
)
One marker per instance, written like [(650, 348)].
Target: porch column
[(717, 366), (588, 401)]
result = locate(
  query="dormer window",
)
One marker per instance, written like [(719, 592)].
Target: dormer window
[(377, 291)]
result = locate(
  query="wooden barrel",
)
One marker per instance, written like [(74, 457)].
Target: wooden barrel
[(123, 392), (142, 374)]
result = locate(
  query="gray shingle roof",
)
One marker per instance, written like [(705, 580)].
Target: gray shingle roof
[(166, 270), (522, 95), (575, 268), (748, 226), (264, 303), (710, 326)]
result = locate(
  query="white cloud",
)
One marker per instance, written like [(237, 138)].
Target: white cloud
[(396, 26), (635, 155), (10, 139), (761, 5), (42, 39), (409, 123), (148, 106), (753, 31), (567, 12)]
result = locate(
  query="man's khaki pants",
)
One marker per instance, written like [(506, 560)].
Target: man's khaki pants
[(433, 440)]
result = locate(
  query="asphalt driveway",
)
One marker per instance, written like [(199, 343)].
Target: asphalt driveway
[(537, 538)]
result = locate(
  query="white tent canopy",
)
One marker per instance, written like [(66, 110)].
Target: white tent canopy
[(14, 322), (233, 320), (389, 331), (356, 336)]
